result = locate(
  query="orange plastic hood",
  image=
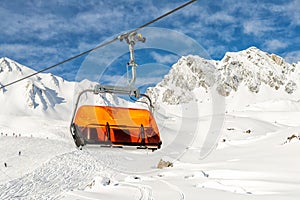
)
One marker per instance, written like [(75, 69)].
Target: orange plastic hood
[(124, 125), (100, 115)]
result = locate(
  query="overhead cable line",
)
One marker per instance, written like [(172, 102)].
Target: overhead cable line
[(99, 46)]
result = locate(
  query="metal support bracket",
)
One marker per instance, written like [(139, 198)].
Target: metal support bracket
[(135, 92), (131, 39)]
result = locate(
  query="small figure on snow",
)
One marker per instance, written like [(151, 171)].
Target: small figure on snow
[(5, 164), (19, 153)]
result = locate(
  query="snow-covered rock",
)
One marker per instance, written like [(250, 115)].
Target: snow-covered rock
[(254, 67), (251, 68)]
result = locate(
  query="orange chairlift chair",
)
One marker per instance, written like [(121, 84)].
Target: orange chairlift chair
[(114, 126)]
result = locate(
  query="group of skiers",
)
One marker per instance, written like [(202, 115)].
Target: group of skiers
[(15, 135)]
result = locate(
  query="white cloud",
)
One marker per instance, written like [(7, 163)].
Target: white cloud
[(292, 57), (165, 59), (290, 10), (36, 57), (21, 26), (274, 45), (25, 51), (221, 17), (258, 27)]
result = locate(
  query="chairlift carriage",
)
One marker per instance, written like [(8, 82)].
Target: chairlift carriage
[(116, 126)]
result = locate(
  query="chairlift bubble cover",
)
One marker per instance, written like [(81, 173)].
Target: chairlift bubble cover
[(117, 126)]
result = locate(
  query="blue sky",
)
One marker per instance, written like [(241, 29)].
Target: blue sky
[(40, 33)]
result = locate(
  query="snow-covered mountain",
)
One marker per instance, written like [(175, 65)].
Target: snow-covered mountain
[(254, 68), (44, 95), (40, 95), (261, 75)]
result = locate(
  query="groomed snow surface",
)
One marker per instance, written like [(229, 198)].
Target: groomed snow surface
[(256, 158), (255, 150)]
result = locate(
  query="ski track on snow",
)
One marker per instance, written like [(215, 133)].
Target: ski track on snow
[(63, 173)]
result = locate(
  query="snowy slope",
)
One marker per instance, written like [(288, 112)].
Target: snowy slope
[(230, 127)]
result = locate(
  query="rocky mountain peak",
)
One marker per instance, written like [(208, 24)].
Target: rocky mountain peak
[(251, 68)]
